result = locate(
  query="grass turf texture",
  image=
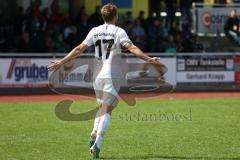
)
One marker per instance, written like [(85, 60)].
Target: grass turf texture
[(31, 131)]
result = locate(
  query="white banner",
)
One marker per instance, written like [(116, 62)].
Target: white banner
[(205, 76), (32, 72), (211, 20), (24, 72)]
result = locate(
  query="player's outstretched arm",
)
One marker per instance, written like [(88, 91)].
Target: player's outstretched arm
[(73, 54), (139, 53)]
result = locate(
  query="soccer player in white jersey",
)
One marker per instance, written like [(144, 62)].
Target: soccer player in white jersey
[(108, 40)]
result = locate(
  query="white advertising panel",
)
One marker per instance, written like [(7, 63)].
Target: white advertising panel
[(205, 68), (33, 72), (24, 72), (205, 76)]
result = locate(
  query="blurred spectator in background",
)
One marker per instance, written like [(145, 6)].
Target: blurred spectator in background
[(128, 18), (82, 12), (49, 43), (152, 35), (175, 29), (229, 2), (70, 35), (83, 27), (58, 20), (36, 27), (186, 30), (49, 30), (163, 30), (46, 18), (236, 1), (149, 21), (2, 38), (190, 44), (23, 43), (169, 45), (171, 8), (59, 46), (185, 8), (232, 27), (142, 19), (220, 1), (161, 36), (178, 42), (96, 18), (138, 34), (19, 21), (128, 28)]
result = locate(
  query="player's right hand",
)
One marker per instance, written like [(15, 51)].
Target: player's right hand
[(56, 64)]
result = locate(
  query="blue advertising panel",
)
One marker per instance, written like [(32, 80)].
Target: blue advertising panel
[(119, 3)]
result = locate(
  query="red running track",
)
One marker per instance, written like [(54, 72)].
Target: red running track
[(177, 95)]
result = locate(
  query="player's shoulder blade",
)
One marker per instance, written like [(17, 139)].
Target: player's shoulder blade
[(121, 31)]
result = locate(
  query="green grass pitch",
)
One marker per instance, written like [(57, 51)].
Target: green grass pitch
[(154, 129)]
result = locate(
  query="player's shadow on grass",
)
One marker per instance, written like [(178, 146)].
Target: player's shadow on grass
[(169, 157)]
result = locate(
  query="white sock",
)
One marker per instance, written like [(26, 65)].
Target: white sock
[(96, 122), (102, 127)]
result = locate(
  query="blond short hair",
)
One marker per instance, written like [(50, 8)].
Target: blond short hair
[(109, 12)]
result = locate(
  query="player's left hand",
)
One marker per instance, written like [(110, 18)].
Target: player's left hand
[(154, 60)]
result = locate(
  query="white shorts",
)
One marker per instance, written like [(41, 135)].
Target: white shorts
[(106, 90)]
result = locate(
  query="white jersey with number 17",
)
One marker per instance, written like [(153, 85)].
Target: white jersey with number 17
[(107, 39)]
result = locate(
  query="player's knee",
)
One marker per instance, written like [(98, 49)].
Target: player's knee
[(99, 106), (107, 109)]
